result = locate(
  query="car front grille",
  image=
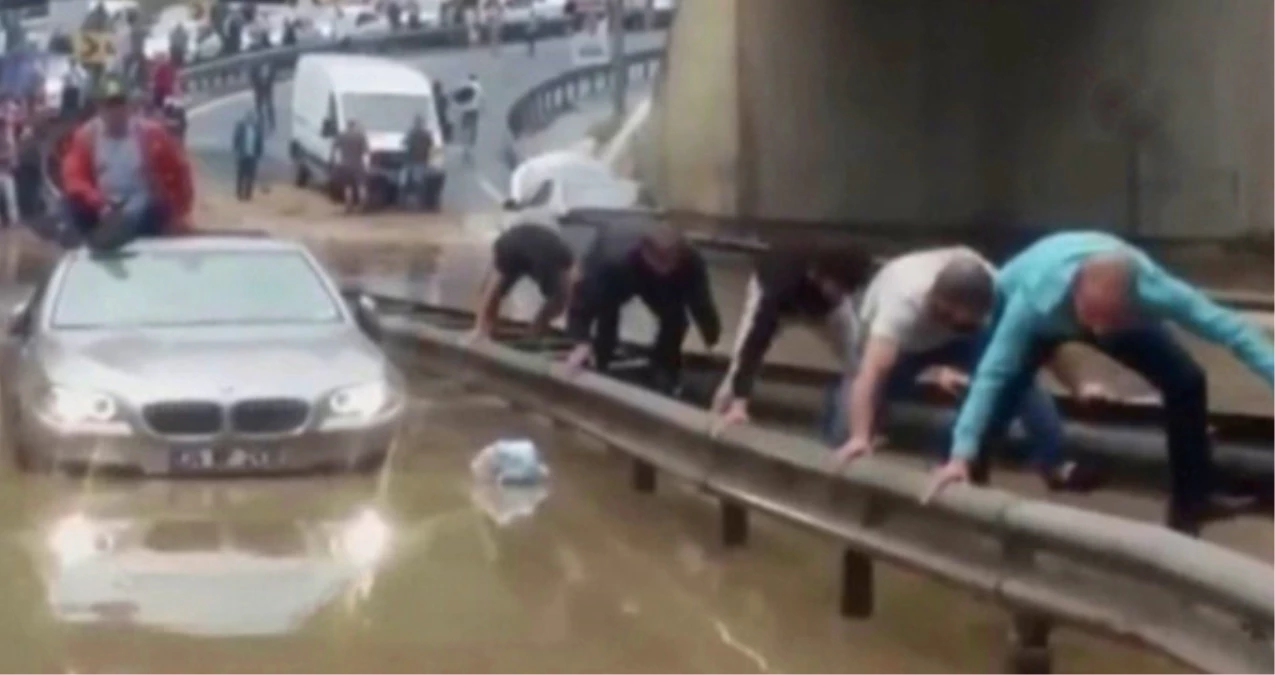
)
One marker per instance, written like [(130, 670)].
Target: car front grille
[(183, 418), (268, 416)]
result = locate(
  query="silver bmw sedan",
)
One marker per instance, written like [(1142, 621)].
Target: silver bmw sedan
[(197, 355)]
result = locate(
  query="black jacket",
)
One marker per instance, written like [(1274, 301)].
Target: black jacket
[(613, 272)]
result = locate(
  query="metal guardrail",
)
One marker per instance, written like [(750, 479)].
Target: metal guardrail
[(535, 110), (1195, 602)]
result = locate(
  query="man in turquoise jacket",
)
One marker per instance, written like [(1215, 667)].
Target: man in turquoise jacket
[(1094, 288)]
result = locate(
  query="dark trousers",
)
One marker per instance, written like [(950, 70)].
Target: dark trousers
[(265, 108), (85, 226), (245, 177), (1154, 354), (672, 325)]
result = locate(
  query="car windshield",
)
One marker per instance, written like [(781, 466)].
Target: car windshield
[(391, 113), (190, 288)]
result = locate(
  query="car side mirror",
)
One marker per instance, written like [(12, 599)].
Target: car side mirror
[(329, 128), (510, 204), (365, 312)]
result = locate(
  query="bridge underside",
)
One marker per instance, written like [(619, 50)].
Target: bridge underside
[(1147, 115)]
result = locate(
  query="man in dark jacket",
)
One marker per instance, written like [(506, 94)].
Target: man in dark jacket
[(657, 266), (792, 286), (249, 142)]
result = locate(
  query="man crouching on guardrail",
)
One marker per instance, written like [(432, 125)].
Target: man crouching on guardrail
[(657, 266), (526, 250), (124, 176), (930, 309), (797, 286), (1094, 288)]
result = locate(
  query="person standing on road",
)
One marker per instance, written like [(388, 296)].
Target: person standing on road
[(441, 106), (418, 145), (1094, 288), (526, 250), (74, 83), (533, 29), (249, 145), (927, 310), (660, 268), (29, 176), (163, 81), (469, 101), (799, 286), (351, 162), (179, 44), (124, 176), (263, 80), (8, 170)]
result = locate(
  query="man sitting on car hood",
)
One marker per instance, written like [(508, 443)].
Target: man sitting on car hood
[(125, 176)]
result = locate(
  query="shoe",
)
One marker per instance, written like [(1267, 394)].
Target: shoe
[(1072, 477), (1190, 519)]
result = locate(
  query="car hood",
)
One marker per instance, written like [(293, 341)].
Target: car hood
[(212, 362)]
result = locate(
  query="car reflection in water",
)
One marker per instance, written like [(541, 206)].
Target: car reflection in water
[(214, 571)]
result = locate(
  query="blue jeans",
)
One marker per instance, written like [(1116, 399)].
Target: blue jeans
[(84, 226), (1023, 398)]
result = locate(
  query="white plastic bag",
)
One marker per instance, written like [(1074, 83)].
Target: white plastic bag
[(510, 462)]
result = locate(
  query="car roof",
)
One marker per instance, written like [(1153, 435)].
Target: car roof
[(246, 243), (358, 73)]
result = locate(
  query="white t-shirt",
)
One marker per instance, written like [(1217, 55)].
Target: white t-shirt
[(893, 305)]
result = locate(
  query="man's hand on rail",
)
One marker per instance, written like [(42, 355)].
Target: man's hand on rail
[(955, 472), (576, 360), (736, 412)]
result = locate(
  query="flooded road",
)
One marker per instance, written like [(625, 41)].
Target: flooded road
[(413, 570)]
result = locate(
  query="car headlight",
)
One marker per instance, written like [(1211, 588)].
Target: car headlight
[(360, 402), (71, 407)]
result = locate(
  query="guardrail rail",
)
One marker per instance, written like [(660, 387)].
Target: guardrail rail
[(1195, 602)]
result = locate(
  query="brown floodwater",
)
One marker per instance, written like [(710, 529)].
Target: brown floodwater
[(416, 569)]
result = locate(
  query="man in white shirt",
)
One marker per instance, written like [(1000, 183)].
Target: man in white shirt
[(930, 309)]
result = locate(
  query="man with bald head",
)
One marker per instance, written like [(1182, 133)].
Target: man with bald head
[(1094, 288), (929, 310)]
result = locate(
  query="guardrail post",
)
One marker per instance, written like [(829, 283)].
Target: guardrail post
[(734, 524), (858, 595), (1029, 645), (643, 476)]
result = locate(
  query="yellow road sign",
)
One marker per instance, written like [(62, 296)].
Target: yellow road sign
[(95, 47)]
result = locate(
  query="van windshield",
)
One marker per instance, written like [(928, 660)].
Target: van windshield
[(389, 113)]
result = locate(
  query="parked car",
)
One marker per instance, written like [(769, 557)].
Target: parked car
[(167, 357)]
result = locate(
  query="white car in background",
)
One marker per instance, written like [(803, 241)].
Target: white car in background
[(547, 187)]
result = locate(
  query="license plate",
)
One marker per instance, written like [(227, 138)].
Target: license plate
[(224, 459)]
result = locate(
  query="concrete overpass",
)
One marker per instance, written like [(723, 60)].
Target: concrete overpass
[(1144, 116)]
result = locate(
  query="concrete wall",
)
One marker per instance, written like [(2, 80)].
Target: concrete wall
[(1153, 114)]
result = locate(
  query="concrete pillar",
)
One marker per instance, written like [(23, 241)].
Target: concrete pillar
[(1153, 115), (697, 133)]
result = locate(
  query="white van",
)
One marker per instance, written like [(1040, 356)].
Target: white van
[(330, 90)]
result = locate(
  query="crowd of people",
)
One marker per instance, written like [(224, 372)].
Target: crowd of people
[(987, 331)]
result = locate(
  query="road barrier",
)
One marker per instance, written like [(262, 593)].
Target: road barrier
[(536, 109), (1195, 602)]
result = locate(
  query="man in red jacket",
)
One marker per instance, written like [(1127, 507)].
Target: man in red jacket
[(124, 176)]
